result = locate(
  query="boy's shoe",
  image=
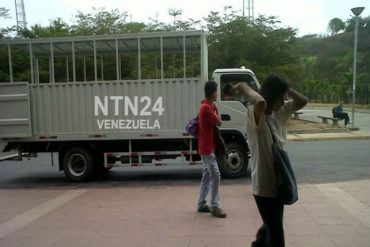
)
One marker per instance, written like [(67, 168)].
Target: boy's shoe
[(205, 209), (218, 212)]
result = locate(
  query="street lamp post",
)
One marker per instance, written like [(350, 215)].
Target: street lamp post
[(357, 12)]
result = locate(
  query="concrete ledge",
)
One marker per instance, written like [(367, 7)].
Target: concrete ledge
[(318, 131), (329, 136)]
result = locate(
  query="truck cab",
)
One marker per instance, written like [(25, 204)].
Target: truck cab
[(233, 111), (231, 105)]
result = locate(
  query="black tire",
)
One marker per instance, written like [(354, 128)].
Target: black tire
[(236, 163), (78, 164)]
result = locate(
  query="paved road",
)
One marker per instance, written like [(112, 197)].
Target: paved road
[(315, 162)]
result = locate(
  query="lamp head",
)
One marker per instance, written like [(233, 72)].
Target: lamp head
[(357, 11)]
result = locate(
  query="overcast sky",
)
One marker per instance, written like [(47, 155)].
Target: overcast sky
[(309, 16)]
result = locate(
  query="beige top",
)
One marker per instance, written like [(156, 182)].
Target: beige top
[(264, 179)]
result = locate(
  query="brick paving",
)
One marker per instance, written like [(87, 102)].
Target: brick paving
[(166, 216)]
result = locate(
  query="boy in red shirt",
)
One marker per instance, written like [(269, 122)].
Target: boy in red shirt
[(208, 120)]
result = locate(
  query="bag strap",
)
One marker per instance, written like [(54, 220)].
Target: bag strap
[(274, 140)]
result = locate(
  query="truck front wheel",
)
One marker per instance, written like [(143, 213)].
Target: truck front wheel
[(236, 163), (78, 164)]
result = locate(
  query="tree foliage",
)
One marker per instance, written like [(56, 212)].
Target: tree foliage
[(264, 46), (4, 13), (336, 25), (329, 76), (5, 31), (321, 66)]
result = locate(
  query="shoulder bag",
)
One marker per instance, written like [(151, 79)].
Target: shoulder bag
[(287, 187)]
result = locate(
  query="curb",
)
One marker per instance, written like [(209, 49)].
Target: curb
[(317, 131), (313, 137)]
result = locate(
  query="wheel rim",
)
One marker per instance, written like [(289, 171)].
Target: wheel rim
[(77, 164), (234, 161)]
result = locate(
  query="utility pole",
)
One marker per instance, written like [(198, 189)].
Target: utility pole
[(20, 14), (250, 8), (357, 12), (243, 8)]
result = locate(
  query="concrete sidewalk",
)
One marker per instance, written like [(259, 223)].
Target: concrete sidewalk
[(362, 119), (311, 113), (326, 215)]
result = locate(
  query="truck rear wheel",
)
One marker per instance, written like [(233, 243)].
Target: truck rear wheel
[(78, 164), (236, 163)]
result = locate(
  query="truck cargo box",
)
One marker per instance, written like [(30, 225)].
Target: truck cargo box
[(119, 86)]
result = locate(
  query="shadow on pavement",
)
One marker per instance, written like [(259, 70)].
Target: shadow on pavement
[(115, 178)]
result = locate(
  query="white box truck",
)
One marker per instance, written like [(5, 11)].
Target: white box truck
[(109, 100)]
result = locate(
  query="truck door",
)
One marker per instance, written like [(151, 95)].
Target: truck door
[(233, 106), (15, 120)]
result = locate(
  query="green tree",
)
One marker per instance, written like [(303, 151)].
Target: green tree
[(56, 28), (99, 21), (321, 66), (175, 13), (4, 13), (263, 46), (334, 61), (364, 24), (5, 31), (336, 25)]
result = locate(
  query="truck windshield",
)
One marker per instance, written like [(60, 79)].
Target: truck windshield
[(229, 80)]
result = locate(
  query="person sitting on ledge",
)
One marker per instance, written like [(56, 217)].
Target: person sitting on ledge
[(339, 113)]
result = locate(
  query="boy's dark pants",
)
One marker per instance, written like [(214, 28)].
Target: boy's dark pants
[(342, 115), (271, 233)]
